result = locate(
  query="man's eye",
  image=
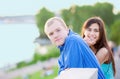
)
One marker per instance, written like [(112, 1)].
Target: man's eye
[(50, 34), (58, 30)]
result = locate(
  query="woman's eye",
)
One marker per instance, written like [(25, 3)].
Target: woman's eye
[(88, 29), (96, 30)]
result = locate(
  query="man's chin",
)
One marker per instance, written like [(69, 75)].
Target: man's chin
[(58, 44)]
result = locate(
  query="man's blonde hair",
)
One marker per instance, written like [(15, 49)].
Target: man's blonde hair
[(53, 20)]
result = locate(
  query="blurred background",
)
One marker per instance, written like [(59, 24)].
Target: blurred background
[(25, 50)]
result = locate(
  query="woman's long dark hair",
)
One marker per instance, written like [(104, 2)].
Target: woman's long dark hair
[(102, 41)]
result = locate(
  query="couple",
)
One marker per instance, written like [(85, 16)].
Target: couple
[(75, 52)]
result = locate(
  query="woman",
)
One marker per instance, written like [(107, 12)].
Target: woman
[(93, 32)]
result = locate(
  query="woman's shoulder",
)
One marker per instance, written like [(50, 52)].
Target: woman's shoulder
[(102, 55), (104, 52), (103, 49)]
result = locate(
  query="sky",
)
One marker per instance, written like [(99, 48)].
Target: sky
[(31, 7)]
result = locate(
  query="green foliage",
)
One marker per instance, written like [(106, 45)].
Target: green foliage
[(84, 14), (21, 64), (105, 11), (41, 18), (75, 16), (18, 78), (38, 75), (115, 32), (35, 75), (72, 18), (52, 52), (117, 16)]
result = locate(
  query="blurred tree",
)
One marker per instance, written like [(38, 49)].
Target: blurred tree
[(105, 11), (42, 16), (85, 12), (21, 64), (115, 32), (117, 16), (76, 15)]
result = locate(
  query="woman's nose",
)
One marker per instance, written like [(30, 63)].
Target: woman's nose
[(92, 33)]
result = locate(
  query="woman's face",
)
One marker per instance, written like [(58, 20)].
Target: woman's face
[(92, 34)]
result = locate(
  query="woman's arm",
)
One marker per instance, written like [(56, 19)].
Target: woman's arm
[(102, 55)]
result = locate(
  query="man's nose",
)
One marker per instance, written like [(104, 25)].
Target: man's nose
[(55, 35)]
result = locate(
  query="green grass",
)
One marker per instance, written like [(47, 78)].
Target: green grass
[(39, 75)]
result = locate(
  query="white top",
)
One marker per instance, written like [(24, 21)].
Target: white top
[(79, 73)]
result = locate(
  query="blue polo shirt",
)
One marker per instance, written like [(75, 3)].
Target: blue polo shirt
[(75, 53)]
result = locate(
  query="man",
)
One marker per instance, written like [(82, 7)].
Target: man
[(74, 52)]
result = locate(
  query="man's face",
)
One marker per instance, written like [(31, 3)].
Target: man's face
[(57, 33)]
